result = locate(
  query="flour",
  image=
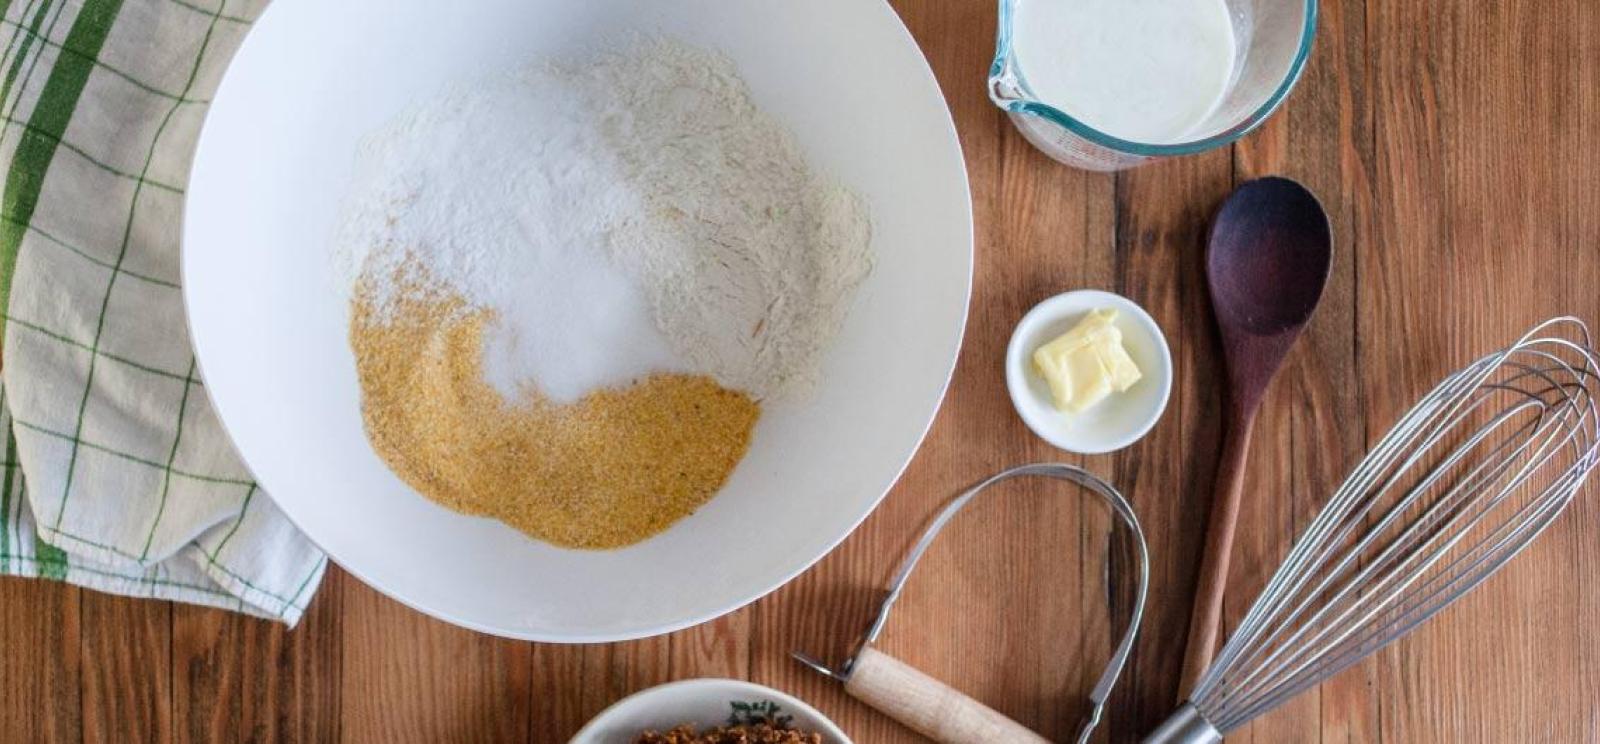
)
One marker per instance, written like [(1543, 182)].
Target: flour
[(626, 212), (750, 257)]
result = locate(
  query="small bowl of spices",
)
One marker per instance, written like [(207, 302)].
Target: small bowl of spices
[(710, 711)]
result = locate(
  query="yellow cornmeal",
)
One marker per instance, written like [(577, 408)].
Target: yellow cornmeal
[(612, 469)]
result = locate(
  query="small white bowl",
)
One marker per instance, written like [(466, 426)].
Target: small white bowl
[(702, 703), (1119, 420)]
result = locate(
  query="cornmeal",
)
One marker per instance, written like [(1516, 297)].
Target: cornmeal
[(617, 466)]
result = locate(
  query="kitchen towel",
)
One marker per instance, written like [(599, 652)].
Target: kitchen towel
[(117, 474)]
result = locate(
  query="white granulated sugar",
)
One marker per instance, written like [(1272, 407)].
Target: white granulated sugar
[(625, 213)]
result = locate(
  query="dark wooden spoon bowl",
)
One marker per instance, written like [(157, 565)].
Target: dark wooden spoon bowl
[(1267, 260)]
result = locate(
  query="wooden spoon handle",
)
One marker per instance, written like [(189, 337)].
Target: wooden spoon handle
[(928, 706), (1206, 618)]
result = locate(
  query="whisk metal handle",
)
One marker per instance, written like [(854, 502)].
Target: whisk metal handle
[(1185, 726)]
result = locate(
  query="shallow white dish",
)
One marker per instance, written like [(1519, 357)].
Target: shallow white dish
[(702, 703), (1119, 420), (270, 330)]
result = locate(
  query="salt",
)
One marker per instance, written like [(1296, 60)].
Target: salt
[(507, 199)]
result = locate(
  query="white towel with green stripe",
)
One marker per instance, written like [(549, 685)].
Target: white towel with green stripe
[(117, 473)]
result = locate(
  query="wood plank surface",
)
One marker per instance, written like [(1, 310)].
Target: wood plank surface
[(1457, 149)]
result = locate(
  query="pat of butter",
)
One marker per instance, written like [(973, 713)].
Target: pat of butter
[(1086, 364)]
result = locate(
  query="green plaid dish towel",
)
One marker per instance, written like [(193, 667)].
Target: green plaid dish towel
[(117, 474)]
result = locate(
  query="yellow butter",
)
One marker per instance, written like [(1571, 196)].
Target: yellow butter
[(1086, 364)]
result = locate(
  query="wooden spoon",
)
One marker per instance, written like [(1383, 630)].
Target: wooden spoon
[(1267, 260)]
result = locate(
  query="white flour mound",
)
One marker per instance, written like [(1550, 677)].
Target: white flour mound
[(625, 213)]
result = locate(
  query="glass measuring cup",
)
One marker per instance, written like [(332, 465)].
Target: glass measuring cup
[(1272, 41)]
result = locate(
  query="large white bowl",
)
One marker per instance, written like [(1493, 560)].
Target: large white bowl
[(269, 326)]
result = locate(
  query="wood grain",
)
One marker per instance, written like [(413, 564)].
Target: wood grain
[(1456, 147), (126, 686), (40, 662), (238, 679), (408, 677), (1475, 240)]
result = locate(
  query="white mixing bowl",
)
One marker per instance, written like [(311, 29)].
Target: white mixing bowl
[(270, 330)]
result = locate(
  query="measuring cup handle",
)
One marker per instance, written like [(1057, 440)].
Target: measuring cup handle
[(928, 706)]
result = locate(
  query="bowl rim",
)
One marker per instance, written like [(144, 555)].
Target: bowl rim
[(829, 728)]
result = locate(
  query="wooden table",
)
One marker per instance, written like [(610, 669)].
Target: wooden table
[(1456, 146)]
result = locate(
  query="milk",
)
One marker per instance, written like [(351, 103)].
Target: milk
[(1148, 71)]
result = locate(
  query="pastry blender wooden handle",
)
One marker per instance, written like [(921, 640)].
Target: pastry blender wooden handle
[(928, 706)]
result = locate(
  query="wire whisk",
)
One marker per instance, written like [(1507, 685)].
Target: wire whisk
[(1463, 482)]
